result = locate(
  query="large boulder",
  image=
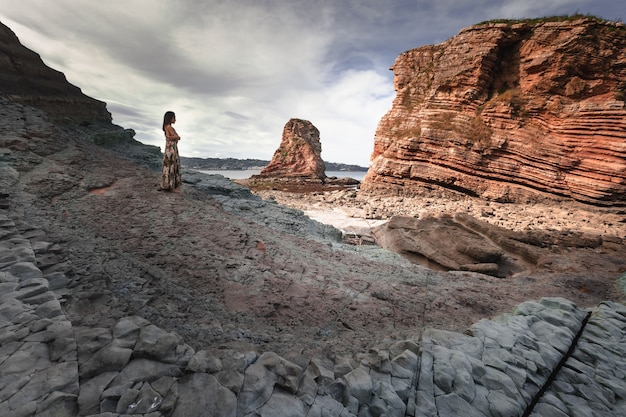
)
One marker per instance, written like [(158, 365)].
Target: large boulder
[(465, 243)]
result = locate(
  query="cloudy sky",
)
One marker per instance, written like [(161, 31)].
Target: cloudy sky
[(235, 71)]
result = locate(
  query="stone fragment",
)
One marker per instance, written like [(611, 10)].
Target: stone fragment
[(325, 406), (57, 377), (128, 402), (91, 390), (359, 385), (231, 380), (308, 389), (141, 369), (26, 270), (322, 369), (25, 410), (495, 380), (463, 376), (90, 340), (58, 404), (203, 361), (282, 404), (386, 401), (8, 287), (450, 404), (261, 377), (547, 409), (502, 405), (128, 325), (201, 395), (32, 357), (483, 268), (108, 358), (49, 309), (156, 343)]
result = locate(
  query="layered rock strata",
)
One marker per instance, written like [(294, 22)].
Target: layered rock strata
[(299, 156), (514, 111), (100, 275), (544, 358), (25, 77)]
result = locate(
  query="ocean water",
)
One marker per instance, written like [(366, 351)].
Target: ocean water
[(247, 173)]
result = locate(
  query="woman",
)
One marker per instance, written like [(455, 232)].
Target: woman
[(171, 178)]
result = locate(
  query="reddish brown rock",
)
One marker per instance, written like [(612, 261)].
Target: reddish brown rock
[(510, 112), (299, 154)]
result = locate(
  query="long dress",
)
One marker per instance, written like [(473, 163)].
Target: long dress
[(171, 177)]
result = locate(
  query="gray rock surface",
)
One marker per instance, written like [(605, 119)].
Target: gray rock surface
[(67, 349), (546, 357)]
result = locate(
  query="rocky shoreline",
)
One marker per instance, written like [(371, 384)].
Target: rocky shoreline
[(120, 300), (564, 216), (546, 357)]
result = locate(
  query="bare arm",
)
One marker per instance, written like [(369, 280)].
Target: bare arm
[(170, 133)]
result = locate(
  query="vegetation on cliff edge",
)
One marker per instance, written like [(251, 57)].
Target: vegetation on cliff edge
[(545, 19)]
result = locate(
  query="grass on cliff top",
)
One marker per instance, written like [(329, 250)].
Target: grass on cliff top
[(538, 20)]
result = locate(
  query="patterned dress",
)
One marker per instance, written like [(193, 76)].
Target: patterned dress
[(171, 178)]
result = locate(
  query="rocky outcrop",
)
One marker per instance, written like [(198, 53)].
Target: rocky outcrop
[(513, 111), (465, 243), (545, 358), (25, 80), (118, 300), (299, 156), (25, 77)]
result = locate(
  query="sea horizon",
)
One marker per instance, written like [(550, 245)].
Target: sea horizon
[(242, 174)]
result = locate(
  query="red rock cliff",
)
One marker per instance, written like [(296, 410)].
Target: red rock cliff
[(512, 112)]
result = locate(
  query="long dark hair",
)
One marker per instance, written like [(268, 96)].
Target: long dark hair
[(167, 118)]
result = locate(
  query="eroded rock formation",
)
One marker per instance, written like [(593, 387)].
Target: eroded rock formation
[(25, 77), (27, 81), (299, 155), (102, 315), (510, 112)]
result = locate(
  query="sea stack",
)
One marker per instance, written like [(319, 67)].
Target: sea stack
[(299, 155)]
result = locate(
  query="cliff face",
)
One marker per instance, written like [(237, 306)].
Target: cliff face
[(26, 79), (117, 300), (510, 112)]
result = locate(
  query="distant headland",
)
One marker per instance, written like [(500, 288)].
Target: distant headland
[(213, 164)]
